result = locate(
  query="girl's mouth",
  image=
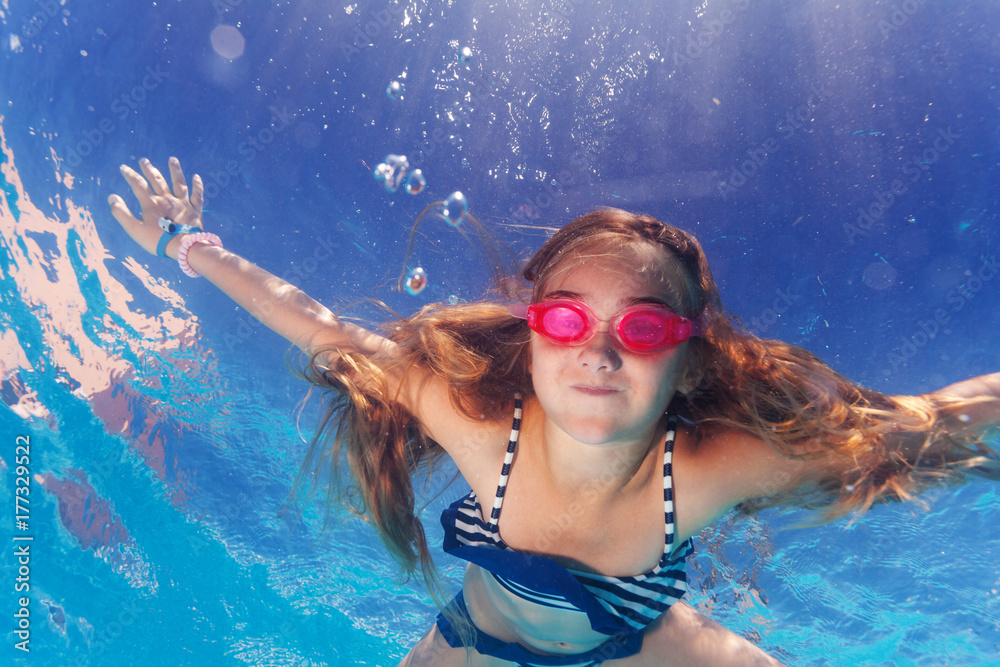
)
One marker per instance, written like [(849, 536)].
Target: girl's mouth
[(595, 391)]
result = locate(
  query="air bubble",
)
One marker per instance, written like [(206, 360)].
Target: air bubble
[(455, 208), (415, 182), (879, 275), (465, 55), (416, 281), (391, 172), (394, 90)]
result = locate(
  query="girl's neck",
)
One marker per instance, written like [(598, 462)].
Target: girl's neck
[(602, 472)]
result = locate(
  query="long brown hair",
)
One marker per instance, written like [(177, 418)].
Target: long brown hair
[(780, 393)]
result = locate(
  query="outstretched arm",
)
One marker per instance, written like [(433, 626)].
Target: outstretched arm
[(733, 467), (282, 307), (289, 311)]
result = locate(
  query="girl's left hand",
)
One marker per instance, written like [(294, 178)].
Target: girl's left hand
[(157, 201)]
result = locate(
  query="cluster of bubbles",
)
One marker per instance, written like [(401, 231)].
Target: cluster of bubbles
[(395, 171), (416, 281)]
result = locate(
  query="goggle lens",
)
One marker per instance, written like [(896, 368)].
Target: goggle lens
[(645, 330), (563, 324)]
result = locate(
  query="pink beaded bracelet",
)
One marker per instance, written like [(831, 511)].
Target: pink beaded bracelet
[(185, 247)]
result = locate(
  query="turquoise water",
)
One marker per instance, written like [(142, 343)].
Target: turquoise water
[(163, 422)]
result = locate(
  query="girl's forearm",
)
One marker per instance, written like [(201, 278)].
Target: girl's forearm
[(984, 385), (979, 411), (283, 307)]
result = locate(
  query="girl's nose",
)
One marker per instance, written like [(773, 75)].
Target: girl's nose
[(599, 353)]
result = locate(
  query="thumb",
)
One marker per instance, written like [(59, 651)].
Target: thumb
[(119, 209), (145, 235)]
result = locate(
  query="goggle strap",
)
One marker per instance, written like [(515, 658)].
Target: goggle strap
[(698, 326), (518, 310)]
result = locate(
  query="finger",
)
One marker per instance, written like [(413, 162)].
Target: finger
[(139, 186), (119, 209), (156, 180), (197, 194), (177, 177)]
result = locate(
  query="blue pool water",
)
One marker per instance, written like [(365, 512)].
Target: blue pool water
[(840, 162)]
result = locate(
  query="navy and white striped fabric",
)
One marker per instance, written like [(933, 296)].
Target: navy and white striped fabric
[(615, 606)]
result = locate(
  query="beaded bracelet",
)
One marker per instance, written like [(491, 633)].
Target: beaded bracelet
[(185, 247)]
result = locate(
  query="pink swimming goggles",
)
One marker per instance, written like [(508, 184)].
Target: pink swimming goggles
[(642, 328)]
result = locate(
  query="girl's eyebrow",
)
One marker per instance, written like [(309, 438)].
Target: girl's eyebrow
[(653, 300), (629, 301), (562, 294)]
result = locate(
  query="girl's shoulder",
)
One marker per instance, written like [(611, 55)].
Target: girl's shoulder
[(715, 469), (476, 442)]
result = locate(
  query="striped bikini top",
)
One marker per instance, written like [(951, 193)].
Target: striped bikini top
[(615, 605)]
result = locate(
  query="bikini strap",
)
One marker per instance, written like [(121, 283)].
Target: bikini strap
[(668, 485), (508, 458)]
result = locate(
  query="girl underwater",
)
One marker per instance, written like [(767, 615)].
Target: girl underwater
[(610, 419)]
